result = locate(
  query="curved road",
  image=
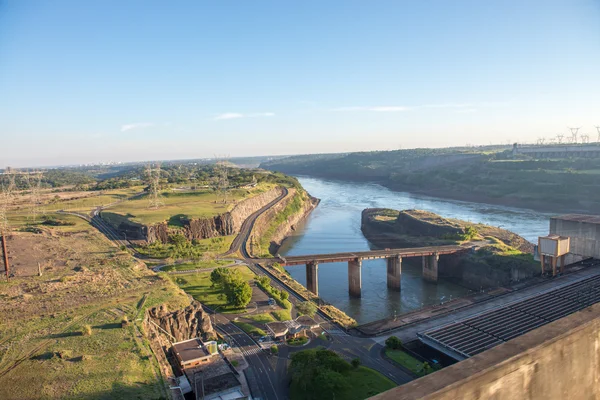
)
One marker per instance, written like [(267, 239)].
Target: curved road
[(240, 240)]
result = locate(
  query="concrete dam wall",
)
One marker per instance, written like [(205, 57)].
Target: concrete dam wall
[(560, 360)]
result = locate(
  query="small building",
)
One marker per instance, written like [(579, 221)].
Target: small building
[(190, 353), (552, 249), (284, 330), (584, 234), (221, 387)]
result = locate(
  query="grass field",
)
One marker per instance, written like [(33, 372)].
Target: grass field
[(85, 281), (196, 265), (262, 318), (406, 360), (205, 203), (362, 383), (282, 315), (250, 329), (198, 285)]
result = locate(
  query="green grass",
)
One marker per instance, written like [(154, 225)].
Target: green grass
[(362, 383), (196, 265), (250, 329), (299, 341), (282, 315), (262, 318), (198, 204), (406, 360), (198, 285)]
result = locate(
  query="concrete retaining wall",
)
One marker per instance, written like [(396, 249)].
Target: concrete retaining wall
[(585, 236)]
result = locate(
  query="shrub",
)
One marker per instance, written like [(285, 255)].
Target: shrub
[(393, 343), (274, 349), (355, 362), (86, 331)]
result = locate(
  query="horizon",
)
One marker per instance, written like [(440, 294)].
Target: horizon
[(92, 83)]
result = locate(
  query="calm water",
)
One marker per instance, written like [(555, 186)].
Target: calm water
[(335, 226)]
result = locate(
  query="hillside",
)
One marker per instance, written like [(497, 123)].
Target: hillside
[(487, 175)]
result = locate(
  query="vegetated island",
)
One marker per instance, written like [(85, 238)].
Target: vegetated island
[(500, 257), (487, 174)]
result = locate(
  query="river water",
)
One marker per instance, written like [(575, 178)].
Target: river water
[(334, 226)]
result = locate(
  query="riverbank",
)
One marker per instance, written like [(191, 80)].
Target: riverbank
[(557, 186), (500, 257)]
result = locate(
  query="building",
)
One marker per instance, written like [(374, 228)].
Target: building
[(301, 326), (584, 232), (205, 372), (191, 353)]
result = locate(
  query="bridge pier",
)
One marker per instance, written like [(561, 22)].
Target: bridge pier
[(394, 272), (430, 267), (312, 277), (355, 277)]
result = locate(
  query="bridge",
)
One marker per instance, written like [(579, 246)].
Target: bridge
[(430, 257)]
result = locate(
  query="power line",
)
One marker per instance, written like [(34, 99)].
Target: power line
[(153, 174)]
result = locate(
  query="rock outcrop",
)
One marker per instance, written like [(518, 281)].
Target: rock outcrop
[(225, 224), (184, 324)]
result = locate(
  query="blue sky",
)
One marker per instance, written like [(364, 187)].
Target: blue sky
[(90, 81)]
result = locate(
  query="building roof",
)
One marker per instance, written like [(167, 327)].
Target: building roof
[(277, 328), (307, 321), (590, 219), (190, 350), (215, 384)]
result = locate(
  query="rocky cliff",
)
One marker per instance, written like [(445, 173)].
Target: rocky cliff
[(184, 324), (277, 222), (225, 224)]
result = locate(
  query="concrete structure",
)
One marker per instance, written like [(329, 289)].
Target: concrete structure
[(471, 336), (430, 267), (394, 273), (394, 264), (584, 234), (291, 329), (312, 277), (553, 248), (560, 360), (191, 353), (559, 151), (354, 277)]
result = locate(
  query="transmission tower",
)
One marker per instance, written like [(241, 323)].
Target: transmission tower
[(598, 129), (541, 141), (585, 138), (222, 177), (574, 132), (559, 138), (34, 183), (154, 196)]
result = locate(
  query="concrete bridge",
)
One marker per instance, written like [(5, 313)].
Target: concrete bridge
[(430, 257)]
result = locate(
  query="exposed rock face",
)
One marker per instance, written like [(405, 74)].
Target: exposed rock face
[(283, 230), (184, 324), (423, 223), (225, 224)]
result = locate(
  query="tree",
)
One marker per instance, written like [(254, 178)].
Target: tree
[(307, 308), (393, 343), (355, 362), (219, 276), (264, 281), (284, 295), (238, 292), (274, 350)]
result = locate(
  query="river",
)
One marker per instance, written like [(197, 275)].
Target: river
[(334, 226)]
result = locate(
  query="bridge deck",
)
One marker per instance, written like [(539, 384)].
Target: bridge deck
[(370, 255)]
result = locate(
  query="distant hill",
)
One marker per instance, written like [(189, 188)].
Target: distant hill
[(486, 174)]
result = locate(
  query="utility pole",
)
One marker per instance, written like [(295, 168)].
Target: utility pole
[(6, 188)]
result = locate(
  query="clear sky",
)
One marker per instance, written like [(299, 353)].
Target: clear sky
[(106, 80)]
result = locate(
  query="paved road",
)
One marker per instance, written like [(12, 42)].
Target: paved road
[(246, 228)]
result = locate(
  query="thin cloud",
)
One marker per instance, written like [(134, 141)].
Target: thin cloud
[(137, 125), (231, 115), (376, 108)]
